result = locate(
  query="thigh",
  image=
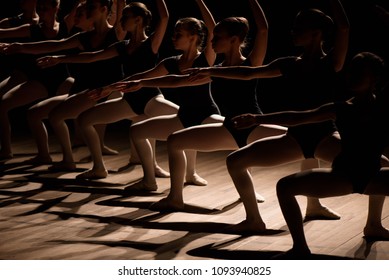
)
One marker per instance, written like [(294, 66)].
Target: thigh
[(328, 148), (158, 106), (206, 138), (23, 94), (214, 119), (320, 183), (263, 131), (43, 108), (157, 128), (72, 106), (107, 112), (269, 151)]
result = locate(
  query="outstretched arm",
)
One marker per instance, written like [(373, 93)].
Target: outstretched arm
[(270, 70), (342, 29), (83, 57), (258, 52), (22, 31), (115, 18), (161, 26), (210, 24), (287, 118), (42, 47)]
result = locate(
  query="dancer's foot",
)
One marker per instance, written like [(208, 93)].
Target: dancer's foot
[(63, 166), (107, 151), (93, 174), (258, 197), (321, 213), (38, 159), (142, 186), (376, 232), (195, 179), (161, 173), (247, 227), (166, 205)]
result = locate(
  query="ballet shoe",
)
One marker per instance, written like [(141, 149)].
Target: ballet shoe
[(107, 151), (322, 213), (160, 173), (164, 206), (195, 179), (141, 186), (92, 175)]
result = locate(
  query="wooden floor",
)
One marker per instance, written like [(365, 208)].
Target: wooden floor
[(47, 215)]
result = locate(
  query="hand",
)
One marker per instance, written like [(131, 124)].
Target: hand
[(128, 86), (48, 61), (244, 121), (196, 74), (7, 48), (99, 93)]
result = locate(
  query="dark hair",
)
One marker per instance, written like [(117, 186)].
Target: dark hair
[(195, 27), (140, 10), (375, 65), (315, 19), (234, 26), (104, 3)]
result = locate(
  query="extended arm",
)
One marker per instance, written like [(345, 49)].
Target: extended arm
[(210, 24), (161, 26), (258, 51), (341, 34), (22, 31), (287, 118)]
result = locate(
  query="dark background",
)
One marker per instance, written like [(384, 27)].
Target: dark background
[(368, 31)]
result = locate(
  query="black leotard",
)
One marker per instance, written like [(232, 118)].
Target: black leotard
[(364, 136), (310, 86), (236, 97), (100, 73), (196, 103), (50, 77), (139, 60)]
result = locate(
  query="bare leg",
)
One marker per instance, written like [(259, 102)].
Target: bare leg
[(315, 210), (156, 128), (326, 184), (35, 116), (69, 109), (108, 112), (159, 106), (18, 96), (374, 227), (218, 138), (270, 151), (191, 176)]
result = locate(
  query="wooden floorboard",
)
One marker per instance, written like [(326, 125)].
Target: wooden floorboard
[(47, 216)]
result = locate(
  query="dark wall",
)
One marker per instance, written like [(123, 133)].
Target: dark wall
[(368, 33)]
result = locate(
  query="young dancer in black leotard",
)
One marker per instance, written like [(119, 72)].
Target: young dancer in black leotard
[(363, 125), (89, 75), (228, 37), (28, 83), (196, 104)]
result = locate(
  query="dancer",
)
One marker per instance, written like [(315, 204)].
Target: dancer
[(89, 74), (27, 83), (363, 126), (188, 37), (228, 38)]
